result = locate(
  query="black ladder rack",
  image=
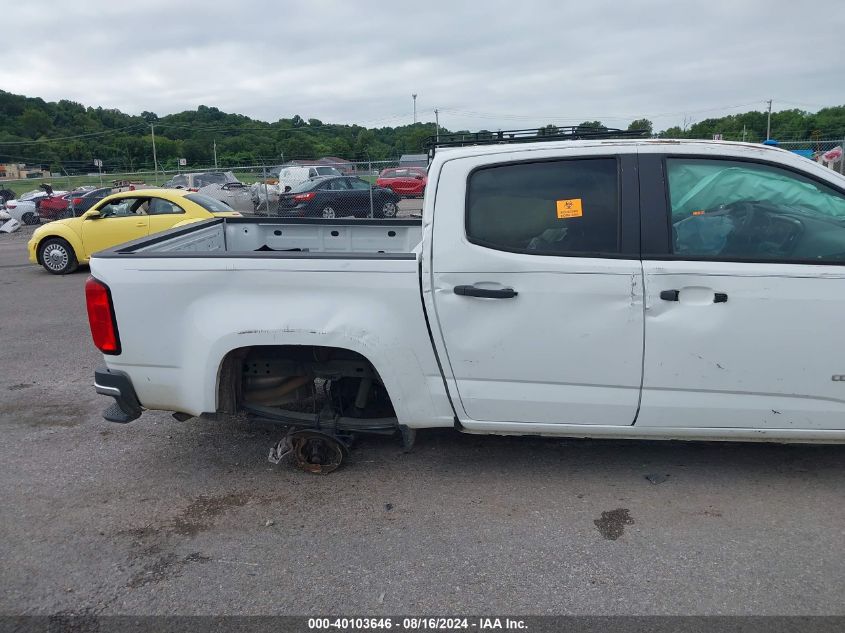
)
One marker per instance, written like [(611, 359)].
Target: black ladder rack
[(532, 135)]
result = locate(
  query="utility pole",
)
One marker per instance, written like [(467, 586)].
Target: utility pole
[(414, 96), (215, 153), (437, 124), (155, 160), (769, 121), (743, 133)]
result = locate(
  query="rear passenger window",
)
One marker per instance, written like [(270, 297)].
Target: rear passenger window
[(566, 207), (163, 207)]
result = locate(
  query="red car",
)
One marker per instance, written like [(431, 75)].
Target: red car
[(55, 207), (404, 181)]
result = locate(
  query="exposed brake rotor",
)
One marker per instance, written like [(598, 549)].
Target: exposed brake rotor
[(312, 451)]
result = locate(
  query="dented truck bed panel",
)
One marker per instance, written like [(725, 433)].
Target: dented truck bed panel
[(179, 322)]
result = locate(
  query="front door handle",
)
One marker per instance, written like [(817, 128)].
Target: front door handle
[(141, 224), (489, 293), (675, 295)]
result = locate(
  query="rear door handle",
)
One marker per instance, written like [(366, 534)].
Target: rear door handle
[(489, 293)]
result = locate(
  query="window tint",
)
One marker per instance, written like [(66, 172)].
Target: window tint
[(327, 171), (357, 183), (159, 206), (211, 178), (211, 205), (556, 207), (723, 209), (338, 184)]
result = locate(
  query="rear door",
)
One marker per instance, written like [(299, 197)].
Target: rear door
[(745, 276), (537, 286)]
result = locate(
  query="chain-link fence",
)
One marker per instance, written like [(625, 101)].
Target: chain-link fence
[(827, 152), (325, 188)]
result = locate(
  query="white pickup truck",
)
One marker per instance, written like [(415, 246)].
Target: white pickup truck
[(626, 289)]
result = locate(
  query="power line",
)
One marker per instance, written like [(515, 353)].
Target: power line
[(69, 138)]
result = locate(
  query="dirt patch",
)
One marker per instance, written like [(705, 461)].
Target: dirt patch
[(612, 523), (40, 415), (19, 386), (200, 514)]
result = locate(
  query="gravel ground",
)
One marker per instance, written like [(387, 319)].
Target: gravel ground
[(162, 517)]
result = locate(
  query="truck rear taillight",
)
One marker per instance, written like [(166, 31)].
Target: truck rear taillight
[(305, 197), (101, 316)]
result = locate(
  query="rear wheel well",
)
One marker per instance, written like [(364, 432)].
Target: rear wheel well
[(303, 379)]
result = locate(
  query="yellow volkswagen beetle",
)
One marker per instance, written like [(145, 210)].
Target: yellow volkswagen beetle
[(62, 245)]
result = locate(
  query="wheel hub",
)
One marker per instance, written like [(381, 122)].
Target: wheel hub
[(56, 257)]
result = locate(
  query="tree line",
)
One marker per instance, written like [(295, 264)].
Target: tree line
[(66, 136)]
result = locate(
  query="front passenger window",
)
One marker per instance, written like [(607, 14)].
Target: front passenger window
[(123, 207), (735, 210)]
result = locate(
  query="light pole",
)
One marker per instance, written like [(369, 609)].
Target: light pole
[(414, 96), (155, 160), (437, 124), (769, 121)]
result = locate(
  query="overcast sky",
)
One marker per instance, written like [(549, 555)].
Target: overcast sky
[(484, 64)]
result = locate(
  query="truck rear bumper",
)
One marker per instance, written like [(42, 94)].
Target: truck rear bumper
[(114, 383)]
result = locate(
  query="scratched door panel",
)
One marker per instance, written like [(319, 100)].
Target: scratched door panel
[(764, 358)]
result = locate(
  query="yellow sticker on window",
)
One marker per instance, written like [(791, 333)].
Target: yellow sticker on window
[(569, 209)]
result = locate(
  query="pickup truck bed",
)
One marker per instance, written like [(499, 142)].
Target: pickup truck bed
[(248, 237), (243, 286)]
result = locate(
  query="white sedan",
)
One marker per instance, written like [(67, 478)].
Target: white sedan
[(24, 209)]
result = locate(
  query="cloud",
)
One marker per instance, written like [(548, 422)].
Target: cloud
[(485, 65)]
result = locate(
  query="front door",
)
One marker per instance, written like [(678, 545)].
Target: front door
[(537, 287), (744, 318), (120, 220)]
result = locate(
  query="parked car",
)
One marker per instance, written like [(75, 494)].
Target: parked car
[(198, 180), (64, 244), (25, 208), (53, 207), (80, 203), (337, 197), (294, 176), (406, 181), (691, 290), (236, 194)]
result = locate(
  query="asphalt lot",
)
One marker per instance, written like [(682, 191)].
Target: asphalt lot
[(162, 517)]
